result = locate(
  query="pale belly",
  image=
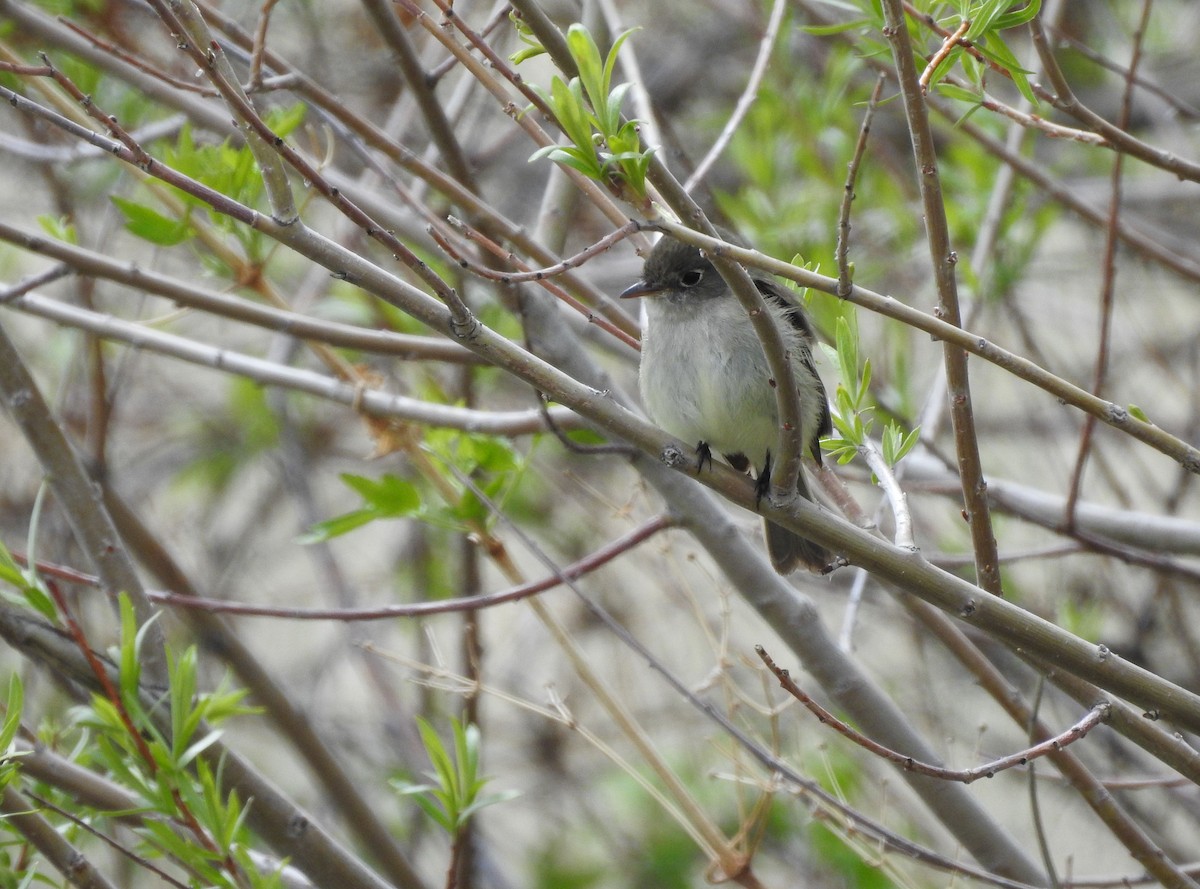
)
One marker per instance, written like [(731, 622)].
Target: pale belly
[(701, 384)]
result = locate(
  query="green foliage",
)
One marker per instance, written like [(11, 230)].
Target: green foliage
[(8, 730), (389, 497), (853, 405), (556, 867), (59, 227), (839, 774), (232, 171), (532, 46), (789, 159), (30, 591), (852, 870), (162, 765), (1137, 413), (601, 145), (150, 225), (1084, 619), (71, 7), (987, 18), (455, 794), (494, 466)]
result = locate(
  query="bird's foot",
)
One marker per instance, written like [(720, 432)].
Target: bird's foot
[(705, 453)]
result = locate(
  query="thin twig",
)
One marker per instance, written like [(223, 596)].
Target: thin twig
[(1183, 108), (1039, 826), (843, 240), (371, 401), (1108, 282), (254, 82), (577, 569), (541, 274), (944, 259), (22, 287), (966, 776), (895, 494), (745, 101), (22, 817), (948, 46), (86, 826), (506, 255), (1118, 139)]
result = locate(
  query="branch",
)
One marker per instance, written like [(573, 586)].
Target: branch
[(374, 402), (22, 815), (567, 574), (1097, 715), (944, 259)]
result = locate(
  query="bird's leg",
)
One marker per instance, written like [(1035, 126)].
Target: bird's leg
[(705, 456), (763, 483)]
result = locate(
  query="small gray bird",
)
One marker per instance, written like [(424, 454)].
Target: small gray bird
[(705, 379)]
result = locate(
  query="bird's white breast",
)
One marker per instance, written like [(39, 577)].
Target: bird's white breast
[(704, 376)]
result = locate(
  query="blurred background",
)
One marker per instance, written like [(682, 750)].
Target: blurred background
[(258, 492)]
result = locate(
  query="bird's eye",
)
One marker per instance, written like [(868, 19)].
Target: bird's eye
[(692, 277)]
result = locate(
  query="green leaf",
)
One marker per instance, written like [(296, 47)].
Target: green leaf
[(454, 798), (834, 30), (1019, 17), (337, 526), (150, 225), (182, 673), (530, 52), (982, 16), (389, 497), (613, 108), (953, 91), (10, 571), (907, 443), (533, 46), (196, 748), (610, 113), (130, 664), (586, 54), (570, 156), (283, 121), (864, 384), (59, 227), (996, 50), (571, 112), (12, 714), (846, 339), (28, 585)]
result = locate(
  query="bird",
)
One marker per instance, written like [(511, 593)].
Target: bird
[(704, 377)]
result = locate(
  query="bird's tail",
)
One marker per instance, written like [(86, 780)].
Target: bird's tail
[(789, 551)]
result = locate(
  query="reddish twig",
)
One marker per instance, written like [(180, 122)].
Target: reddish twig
[(1108, 283), (843, 240), (260, 44), (1094, 717), (138, 62), (575, 570), (494, 59), (527, 274), (532, 274), (100, 671)]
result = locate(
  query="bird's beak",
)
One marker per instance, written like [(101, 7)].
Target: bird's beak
[(640, 289)]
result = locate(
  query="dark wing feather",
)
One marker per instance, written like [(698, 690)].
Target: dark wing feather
[(799, 320)]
